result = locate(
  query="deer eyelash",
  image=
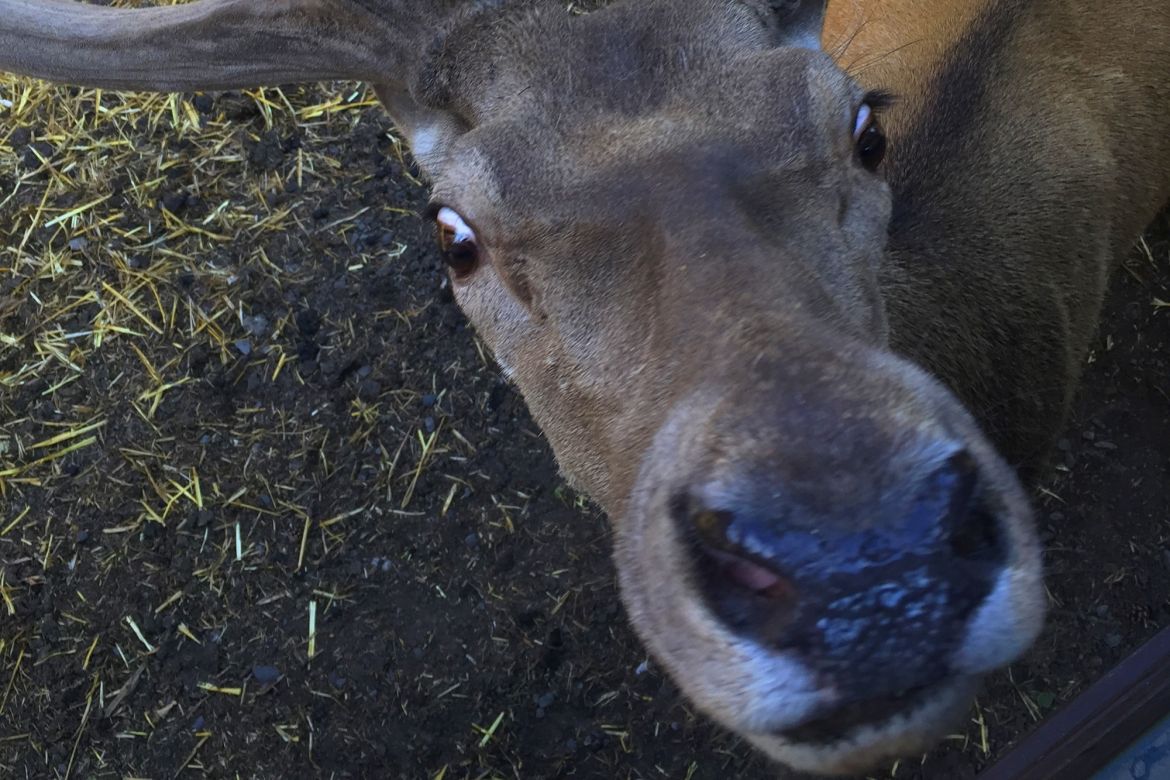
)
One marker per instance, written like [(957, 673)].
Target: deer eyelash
[(879, 100)]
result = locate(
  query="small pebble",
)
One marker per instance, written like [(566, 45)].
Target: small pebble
[(256, 325), (265, 675), (244, 347), (308, 322), (174, 202), (203, 103), (369, 389)]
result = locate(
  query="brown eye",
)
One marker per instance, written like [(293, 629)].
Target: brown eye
[(457, 243), (868, 138)]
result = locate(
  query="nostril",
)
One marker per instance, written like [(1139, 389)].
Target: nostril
[(725, 563), (977, 538), (711, 528), (968, 518)]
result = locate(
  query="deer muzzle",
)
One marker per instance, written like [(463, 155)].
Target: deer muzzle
[(827, 557)]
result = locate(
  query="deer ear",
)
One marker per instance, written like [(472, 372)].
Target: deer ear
[(799, 22)]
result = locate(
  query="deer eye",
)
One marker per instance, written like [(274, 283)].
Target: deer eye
[(868, 138), (457, 243)]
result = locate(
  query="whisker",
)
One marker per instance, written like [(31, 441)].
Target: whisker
[(874, 61)]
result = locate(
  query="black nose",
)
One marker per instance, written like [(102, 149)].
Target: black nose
[(876, 599)]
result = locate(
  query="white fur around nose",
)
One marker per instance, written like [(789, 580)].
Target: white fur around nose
[(1006, 623), (776, 690)]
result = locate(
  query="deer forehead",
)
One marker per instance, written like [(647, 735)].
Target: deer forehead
[(736, 89), (516, 44), (596, 157)]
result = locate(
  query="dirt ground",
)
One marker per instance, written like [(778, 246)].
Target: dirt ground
[(267, 510)]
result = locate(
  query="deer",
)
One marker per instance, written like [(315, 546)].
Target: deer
[(798, 292)]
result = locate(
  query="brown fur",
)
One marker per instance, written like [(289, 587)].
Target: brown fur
[(1070, 161), (704, 297)]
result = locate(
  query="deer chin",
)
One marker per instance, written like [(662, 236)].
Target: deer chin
[(912, 723)]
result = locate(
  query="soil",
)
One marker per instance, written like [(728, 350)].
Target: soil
[(308, 427)]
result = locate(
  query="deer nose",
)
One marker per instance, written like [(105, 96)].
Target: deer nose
[(874, 604)]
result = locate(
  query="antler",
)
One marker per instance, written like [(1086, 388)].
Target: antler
[(213, 44)]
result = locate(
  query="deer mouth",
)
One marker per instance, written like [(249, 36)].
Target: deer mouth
[(871, 713), (856, 737)]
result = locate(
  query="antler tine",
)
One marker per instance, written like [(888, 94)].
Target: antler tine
[(208, 44)]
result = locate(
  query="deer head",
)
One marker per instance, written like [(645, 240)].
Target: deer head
[(666, 218)]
